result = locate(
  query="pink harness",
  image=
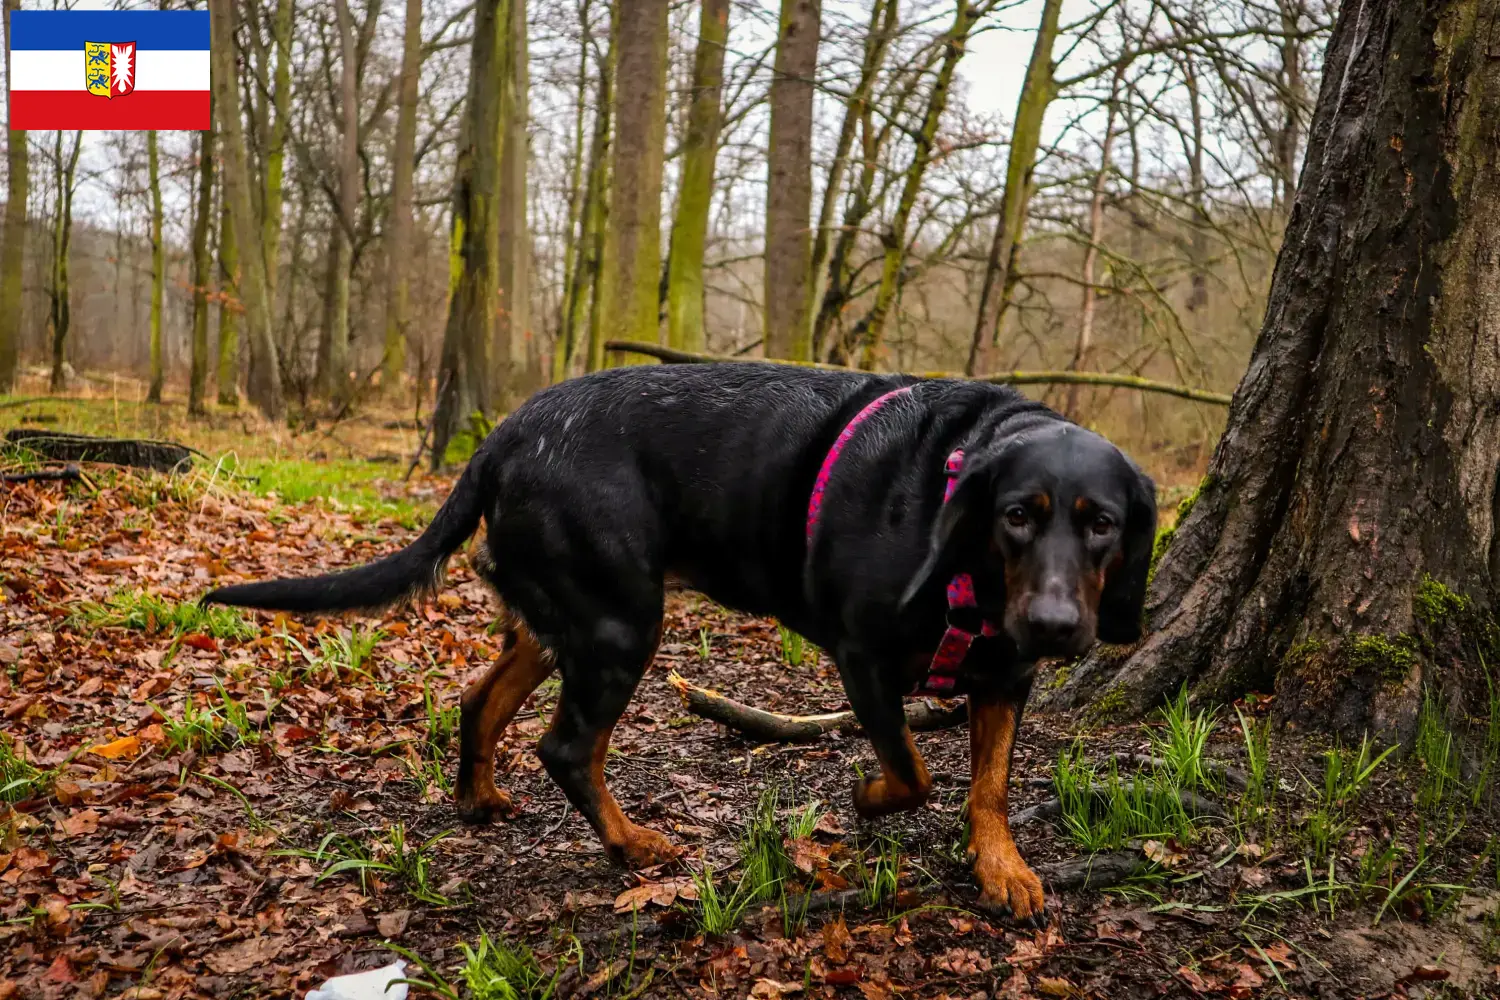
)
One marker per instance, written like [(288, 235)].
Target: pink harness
[(948, 661)]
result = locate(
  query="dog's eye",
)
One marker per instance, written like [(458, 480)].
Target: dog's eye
[(1016, 516), (1103, 524)]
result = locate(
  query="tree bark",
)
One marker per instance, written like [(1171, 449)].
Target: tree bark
[(630, 272), (1352, 497), (883, 20), (700, 149), (230, 307), (894, 238), (275, 153), (573, 251), (596, 207), (60, 292), (788, 258), (1037, 93), (263, 383), (202, 273), (13, 238), (158, 271), (465, 367), (333, 375), (403, 171), (512, 351)]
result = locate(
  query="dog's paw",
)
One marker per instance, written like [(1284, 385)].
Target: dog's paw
[(1010, 888), (643, 848), (484, 807), (875, 797)]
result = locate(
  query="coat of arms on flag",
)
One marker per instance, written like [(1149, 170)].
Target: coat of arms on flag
[(109, 68)]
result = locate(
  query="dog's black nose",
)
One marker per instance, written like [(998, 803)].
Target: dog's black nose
[(1052, 620)]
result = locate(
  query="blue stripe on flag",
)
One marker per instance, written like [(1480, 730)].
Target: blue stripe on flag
[(69, 29)]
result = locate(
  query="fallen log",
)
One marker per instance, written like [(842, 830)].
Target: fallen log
[(774, 727), (67, 473), (673, 356), (138, 453)]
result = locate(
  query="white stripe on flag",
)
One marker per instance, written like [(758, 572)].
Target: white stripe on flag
[(155, 69)]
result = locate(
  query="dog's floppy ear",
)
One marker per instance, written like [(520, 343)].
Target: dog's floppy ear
[(1124, 595), (962, 522)]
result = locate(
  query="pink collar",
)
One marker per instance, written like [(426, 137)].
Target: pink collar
[(947, 662)]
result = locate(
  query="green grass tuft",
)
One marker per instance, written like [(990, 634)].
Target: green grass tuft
[(153, 613)]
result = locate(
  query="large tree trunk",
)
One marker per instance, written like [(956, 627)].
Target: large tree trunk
[(573, 248), (263, 384), (630, 272), (60, 294), (202, 273), (464, 371), (275, 152), (13, 238), (1037, 93), (700, 148), (1357, 475), (403, 170), (788, 285), (595, 223), (158, 271)]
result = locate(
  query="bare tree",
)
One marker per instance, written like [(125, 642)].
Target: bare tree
[(13, 238)]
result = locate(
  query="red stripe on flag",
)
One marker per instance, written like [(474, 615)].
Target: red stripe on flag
[(78, 109)]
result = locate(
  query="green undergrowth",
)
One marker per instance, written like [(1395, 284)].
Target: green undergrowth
[(153, 613), (340, 483)]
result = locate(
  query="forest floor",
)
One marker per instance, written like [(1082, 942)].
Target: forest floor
[(232, 804)]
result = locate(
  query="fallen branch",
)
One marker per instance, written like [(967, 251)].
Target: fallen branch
[(673, 356), (67, 473), (1097, 871), (774, 727), (1233, 778), (138, 453), (1192, 803)]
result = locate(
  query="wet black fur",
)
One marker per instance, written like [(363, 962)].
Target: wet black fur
[(597, 488)]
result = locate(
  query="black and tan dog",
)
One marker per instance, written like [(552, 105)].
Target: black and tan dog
[(598, 488)]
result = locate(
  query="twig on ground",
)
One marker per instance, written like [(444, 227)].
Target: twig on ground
[(774, 727)]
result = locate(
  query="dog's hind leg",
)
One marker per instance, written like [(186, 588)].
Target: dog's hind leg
[(903, 782), (487, 708), (594, 696)]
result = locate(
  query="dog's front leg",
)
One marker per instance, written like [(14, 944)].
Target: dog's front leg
[(903, 782), (1005, 881)]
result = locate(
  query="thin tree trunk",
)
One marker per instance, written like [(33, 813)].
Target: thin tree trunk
[(403, 170), (263, 384), (788, 257), (894, 237), (333, 375), (158, 271), (1197, 189), (1343, 547), (465, 367), (513, 318), (1288, 141), (230, 308), (575, 251), (596, 205), (275, 153), (13, 238), (700, 149), (630, 272), (1090, 304), (883, 20), (1037, 93), (202, 273), (62, 237)]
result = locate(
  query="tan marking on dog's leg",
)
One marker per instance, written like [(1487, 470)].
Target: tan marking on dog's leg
[(488, 706), (1005, 881), (893, 792), (626, 843)]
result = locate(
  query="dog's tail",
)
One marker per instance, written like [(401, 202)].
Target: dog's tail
[(400, 575)]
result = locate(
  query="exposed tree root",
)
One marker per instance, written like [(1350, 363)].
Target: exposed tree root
[(1097, 871), (1194, 804), (161, 456), (774, 727)]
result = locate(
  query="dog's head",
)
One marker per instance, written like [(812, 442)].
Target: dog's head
[(1057, 526)]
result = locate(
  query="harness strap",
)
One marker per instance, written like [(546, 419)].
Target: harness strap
[(948, 661)]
